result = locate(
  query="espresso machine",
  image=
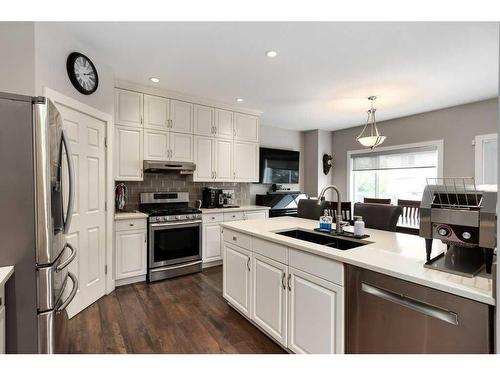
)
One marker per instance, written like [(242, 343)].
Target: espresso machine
[(463, 216)]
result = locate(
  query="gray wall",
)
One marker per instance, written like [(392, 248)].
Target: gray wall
[(457, 126), (316, 143)]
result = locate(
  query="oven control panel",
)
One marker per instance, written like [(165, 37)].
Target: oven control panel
[(170, 218), (455, 233)]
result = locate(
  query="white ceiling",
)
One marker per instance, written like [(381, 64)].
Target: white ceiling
[(323, 72)]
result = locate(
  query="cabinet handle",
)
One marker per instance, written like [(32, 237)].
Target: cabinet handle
[(234, 175), (170, 124), (213, 217), (141, 120), (131, 224), (248, 264), (288, 282), (283, 280), (141, 173), (215, 174), (234, 237)]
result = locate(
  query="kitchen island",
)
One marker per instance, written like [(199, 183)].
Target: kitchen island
[(293, 289)]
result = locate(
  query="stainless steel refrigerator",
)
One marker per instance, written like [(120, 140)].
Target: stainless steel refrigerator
[(36, 198)]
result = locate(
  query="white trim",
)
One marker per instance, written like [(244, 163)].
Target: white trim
[(439, 144), (110, 213), (478, 155)]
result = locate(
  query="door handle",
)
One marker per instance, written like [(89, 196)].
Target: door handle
[(71, 295), (72, 256), (416, 305), (283, 280), (288, 282), (71, 179), (248, 264)]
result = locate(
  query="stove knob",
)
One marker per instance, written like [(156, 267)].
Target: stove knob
[(443, 232), (466, 235)]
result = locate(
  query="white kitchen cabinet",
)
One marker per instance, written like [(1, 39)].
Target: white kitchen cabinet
[(156, 112), (237, 278), (181, 147), (212, 242), (204, 120), (128, 153), (246, 127), (156, 145), (315, 314), (223, 160), (181, 116), (130, 251), (246, 161), (269, 297), (128, 108), (203, 158), (253, 215), (224, 124)]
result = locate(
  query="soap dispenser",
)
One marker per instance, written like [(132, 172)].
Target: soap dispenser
[(325, 222)]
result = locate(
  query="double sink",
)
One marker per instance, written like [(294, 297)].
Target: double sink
[(334, 241)]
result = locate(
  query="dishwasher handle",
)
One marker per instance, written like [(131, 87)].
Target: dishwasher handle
[(405, 301)]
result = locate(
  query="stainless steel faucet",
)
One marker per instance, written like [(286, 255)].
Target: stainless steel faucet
[(338, 217)]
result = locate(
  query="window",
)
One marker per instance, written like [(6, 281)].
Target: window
[(393, 172), (486, 159)]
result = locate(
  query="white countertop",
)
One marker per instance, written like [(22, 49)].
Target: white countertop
[(5, 273), (394, 254), (233, 209), (130, 215)]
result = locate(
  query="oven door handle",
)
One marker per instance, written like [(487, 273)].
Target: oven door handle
[(156, 225), (168, 268)]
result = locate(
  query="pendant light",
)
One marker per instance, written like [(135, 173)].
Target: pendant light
[(371, 138)]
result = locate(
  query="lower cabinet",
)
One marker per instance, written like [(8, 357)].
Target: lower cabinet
[(252, 215), (2, 329), (131, 251), (236, 276), (212, 242)]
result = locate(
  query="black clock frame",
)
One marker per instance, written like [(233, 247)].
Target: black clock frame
[(70, 65)]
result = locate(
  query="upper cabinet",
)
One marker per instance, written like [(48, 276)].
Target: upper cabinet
[(181, 117), (224, 124), (203, 120), (156, 112), (128, 153), (246, 127), (128, 108), (246, 161)]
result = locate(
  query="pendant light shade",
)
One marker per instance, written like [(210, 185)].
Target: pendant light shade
[(372, 137)]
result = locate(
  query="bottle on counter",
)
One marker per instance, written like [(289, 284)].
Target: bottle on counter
[(359, 226), (325, 222)]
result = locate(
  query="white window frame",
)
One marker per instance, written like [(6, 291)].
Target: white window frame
[(478, 154), (439, 144)]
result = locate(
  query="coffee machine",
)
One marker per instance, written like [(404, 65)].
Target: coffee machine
[(227, 198), (463, 216), (211, 197)]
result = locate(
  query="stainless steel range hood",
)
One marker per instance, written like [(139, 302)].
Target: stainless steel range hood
[(153, 166)]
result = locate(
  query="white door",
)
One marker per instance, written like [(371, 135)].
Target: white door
[(203, 120), (246, 161), (246, 127), (181, 147), (131, 254), (128, 153), (223, 158), (224, 124), (156, 112), (88, 226), (315, 314), (254, 215), (181, 115), (269, 297), (155, 145), (236, 277), (128, 108), (203, 158), (212, 242)]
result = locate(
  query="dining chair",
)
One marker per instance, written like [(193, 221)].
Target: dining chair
[(410, 208), (378, 216), (345, 207), (309, 209), (377, 200)]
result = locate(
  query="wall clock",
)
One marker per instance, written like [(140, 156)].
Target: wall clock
[(82, 73)]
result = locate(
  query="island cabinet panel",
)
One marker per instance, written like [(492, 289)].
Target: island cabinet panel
[(236, 276), (315, 314), (269, 297), (211, 242)]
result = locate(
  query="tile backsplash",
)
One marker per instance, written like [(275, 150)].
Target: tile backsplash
[(173, 181)]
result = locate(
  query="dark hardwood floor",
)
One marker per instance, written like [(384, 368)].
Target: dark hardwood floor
[(181, 315)]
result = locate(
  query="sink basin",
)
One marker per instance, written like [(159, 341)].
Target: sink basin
[(323, 239)]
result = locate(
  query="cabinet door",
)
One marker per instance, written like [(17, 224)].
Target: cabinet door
[(2, 329), (181, 116), (224, 124), (223, 159), (269, 297), (253, 215), (131, 255), (128, 154), (155, 145), (156, 112), (315, 314), (203, 158), (181, 147), (246, 161), (246, 127), (212, 249), (236, 277), (203, 120), (128, 108)]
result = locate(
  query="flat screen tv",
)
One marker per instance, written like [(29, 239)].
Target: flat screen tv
[(279, 166)]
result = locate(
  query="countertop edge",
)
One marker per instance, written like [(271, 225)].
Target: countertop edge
[(130, 215), (233, 209), (5, 273)]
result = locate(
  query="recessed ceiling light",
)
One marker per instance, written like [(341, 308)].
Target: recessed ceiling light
[(239, 99), (154, 79), (271, 53)]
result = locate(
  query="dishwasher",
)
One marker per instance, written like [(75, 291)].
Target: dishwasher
[(386, 315)]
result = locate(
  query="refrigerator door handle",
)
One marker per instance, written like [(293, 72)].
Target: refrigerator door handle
[(71, 178), (72, 256), (71, 295)]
